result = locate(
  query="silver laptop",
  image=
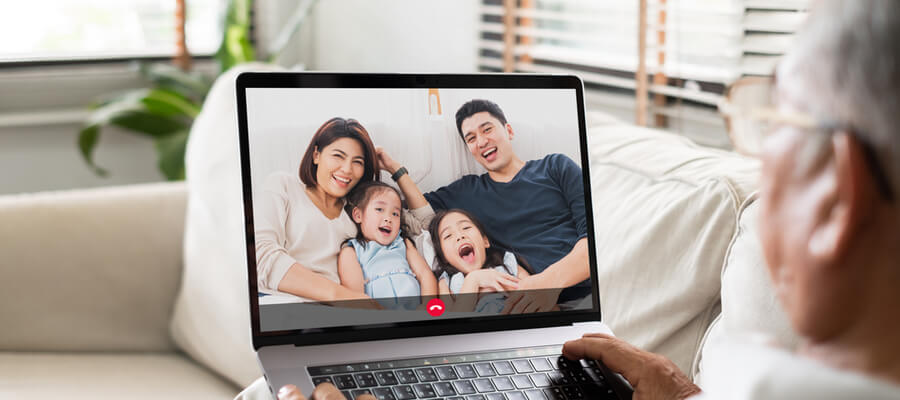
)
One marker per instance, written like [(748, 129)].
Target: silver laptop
[(469, 296)]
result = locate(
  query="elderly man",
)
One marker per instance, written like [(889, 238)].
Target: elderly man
[(830, 226)]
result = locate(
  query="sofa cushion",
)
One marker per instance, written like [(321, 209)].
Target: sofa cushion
[(107, 376), (77, 267), (211, 320), (665, 212), (749, 305)]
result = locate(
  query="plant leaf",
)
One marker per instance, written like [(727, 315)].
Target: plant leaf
[(192, 85), (235, 47), (87, 141), (170, 152), (167, 103), (130, 111)]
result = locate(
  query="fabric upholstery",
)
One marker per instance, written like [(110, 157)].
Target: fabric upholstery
[(749, 305), (212, 319), (90, 270), (107, 376), (665, 213)]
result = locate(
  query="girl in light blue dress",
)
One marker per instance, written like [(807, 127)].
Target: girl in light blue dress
[(380, 261), (473, 272)]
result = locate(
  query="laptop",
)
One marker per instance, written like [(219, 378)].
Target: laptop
[(445, 333)]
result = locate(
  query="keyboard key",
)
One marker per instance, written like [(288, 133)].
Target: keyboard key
[(586, 363), (515, 396), (540, 380), (383, 393), (541, 364), (573, 392), (559, 378), (404, 392), (456, 398), (502, 383), (565, 363), (595, 373), (578, 376), (495, 396), (485, 369), (365, 379), (347, 394), (444, 389), (322, 379), (424, 390), (464, 387), (446, 373), (522, 382), (593, 392), (535, 394), (483, 385), (426, 374), (475, 397), (386, 378), (504, 368), (465, 371), (359, 392), (406, 376), (344, 382), (522, 366), (554, 393)]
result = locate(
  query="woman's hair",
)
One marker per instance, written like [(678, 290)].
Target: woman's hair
[(328, 133), (360, 197), (493, 255)]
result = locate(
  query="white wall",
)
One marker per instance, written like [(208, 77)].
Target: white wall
[(396, 36)]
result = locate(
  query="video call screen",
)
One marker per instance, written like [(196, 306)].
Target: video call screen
[(487, 215)]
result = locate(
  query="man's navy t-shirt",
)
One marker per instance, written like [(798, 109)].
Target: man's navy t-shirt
[(539, 214)]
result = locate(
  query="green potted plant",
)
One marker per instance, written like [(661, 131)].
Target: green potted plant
[(167, 108)]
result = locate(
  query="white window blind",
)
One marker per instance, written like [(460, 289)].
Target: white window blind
[(694, 48)]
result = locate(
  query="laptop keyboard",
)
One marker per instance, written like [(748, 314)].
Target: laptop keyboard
[(534, 373)]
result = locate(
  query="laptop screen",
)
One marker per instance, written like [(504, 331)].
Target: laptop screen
[(378, 204)]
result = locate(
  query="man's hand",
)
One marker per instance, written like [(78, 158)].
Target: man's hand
[(652, 376), (325, 391), (533, 295), (385, 161)]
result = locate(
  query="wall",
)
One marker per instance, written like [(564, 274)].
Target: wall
[(396, 36)]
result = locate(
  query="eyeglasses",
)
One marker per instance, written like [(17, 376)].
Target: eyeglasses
[(762, 119)]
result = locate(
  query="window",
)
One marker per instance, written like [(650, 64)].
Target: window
[(61, 30), (693, 49)]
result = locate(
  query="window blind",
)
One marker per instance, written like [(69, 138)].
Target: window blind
[(693, 48)]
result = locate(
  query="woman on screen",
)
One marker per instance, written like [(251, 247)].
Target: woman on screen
[(300, 221)]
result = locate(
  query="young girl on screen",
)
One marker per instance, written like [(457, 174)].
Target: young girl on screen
[(469, 264), (381, 261)]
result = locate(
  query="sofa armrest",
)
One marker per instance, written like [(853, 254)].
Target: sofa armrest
[(91, 270)]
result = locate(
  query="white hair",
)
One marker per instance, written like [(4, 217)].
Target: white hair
[(847, 61)]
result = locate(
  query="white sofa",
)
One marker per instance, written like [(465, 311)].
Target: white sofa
[(141, 291)]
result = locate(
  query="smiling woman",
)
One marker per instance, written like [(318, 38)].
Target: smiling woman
[(300, 223)]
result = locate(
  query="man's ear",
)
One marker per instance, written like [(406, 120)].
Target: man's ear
[(846, 199), (357, 215), (509, 131), (487, 243)]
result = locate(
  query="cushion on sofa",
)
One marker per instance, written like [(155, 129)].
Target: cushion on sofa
[(211, 320), (665, 213), (749, 305), (76, 267), (107, 376)]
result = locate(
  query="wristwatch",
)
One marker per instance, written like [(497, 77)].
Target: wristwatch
[(399, 174)]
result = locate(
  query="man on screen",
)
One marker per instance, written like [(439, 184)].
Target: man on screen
[(532, 208)]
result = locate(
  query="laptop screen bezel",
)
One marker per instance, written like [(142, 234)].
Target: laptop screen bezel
[(398, 330)]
